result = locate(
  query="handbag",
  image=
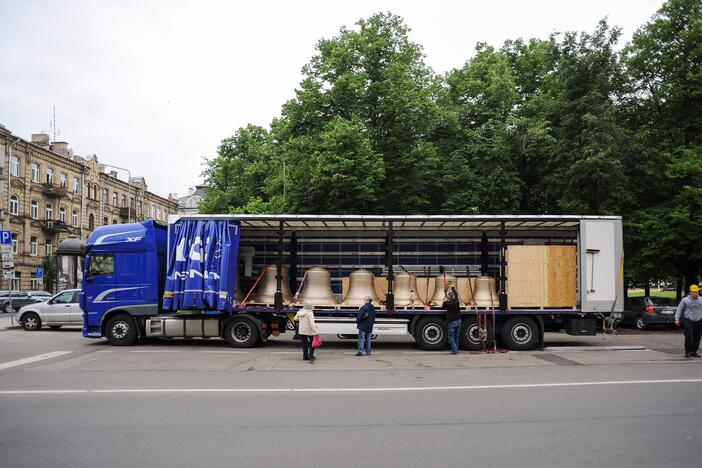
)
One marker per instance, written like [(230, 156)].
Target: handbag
[(316, 341)]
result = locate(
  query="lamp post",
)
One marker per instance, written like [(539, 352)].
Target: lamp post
[(276, 144), (129, 190)]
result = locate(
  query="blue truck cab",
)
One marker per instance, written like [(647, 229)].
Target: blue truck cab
[(123, 279)]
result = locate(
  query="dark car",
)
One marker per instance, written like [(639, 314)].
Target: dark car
[(641, 312), (19, 299)]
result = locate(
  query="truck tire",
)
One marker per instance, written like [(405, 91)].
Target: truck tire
[(520, 333), (470, 334), (241, 333), (430, 333), (120, 330), (31, 322)]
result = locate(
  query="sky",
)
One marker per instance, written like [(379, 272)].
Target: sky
[(154, 86)]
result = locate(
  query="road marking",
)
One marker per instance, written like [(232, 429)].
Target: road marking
[(350, 390), (105, 351), (29, 360), (156, 351), (224, 352)]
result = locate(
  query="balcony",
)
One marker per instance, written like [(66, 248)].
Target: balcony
[(54, 191), (51, 226), (124, 212)]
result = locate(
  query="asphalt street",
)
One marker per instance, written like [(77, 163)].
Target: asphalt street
[(624, 400)]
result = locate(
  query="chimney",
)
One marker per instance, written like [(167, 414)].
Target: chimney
[(40, 139), (113, 174), (60, 147)]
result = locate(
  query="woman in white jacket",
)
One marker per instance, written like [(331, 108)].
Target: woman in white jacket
[(307, 330)]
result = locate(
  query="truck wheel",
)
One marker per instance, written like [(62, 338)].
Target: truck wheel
[(470, 338), (31, 322), (640, 323), (121, 330), (241, 333), (430, 333), (520, 333)]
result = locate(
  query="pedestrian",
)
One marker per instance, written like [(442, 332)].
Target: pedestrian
[(690, 312), (307, 330), (365, 318), (453, 319)]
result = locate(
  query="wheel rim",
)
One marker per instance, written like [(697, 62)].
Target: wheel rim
[(120, 330), (30, 323), (473, 333), (432, 333), (241, 332), (8, 309), (521, 333), (640, 323)]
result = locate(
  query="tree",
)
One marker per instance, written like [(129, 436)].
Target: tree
[(50, 272)]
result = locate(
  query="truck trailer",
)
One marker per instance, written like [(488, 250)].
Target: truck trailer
[(206, 276)]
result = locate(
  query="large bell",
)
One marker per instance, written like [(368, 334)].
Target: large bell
[(265, 293), (317, 288), (484, 293), (449, 280), (361, 285), (405, 290)]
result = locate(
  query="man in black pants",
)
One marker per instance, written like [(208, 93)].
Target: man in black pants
[(690, 311)]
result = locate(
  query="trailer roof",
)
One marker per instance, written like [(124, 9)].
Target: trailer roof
[(401, 221)]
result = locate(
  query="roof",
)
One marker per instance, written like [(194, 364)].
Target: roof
[(402, 222), (128, 237)]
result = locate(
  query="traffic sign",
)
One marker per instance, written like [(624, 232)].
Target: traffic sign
[(8, 274), (40, 272), (8, 265), (6, 237), (6, 248), (6, 256)]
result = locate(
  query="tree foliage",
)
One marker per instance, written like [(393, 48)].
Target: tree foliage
[(562, 125)]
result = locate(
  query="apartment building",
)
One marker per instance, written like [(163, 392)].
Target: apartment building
[(47, 194)]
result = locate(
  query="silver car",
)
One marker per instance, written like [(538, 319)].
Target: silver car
[(61, 309)]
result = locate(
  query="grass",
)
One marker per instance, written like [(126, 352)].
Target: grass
[(654, 293)]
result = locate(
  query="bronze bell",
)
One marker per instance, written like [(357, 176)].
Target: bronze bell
[(265, 293), (484, 293), (317, 288), (405, 290), (361, 285), (439, 282)]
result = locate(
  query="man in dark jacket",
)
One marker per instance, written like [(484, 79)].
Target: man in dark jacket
[(453, 319), (365, 318)]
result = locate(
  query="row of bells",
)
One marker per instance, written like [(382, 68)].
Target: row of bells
[(317, 289)]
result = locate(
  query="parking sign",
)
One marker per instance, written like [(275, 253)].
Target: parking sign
[(6, 237), (40, 272)]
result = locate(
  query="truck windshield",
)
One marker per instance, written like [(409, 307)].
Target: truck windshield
[(101, 265)]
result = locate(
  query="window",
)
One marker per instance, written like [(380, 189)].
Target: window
[(114, 221), (139, 207), (114, 198), (14, 243), (34, 281), (14, 166), (34, 209), (49, 211), (104, 195), (14, 205), (74, 218), (49, 175), (16, 284), (33, 242), (131, 202), (158, 214), (76, 183), (101, 265), (65, 297), (91, 222), (105, 221), (64, 179), (49, 247), (148, 213), (35, 172), (62, 214), (124, 201)]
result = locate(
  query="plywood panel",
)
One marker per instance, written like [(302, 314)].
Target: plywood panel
[(541, 276), (561, 279)]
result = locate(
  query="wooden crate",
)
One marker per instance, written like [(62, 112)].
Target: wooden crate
[(541, 276)]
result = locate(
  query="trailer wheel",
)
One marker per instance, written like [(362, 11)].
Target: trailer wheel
[(430, 333), (520, 333), (120, 330), (241, 333), (470, 338)]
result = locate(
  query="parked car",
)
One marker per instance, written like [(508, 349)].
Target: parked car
[(61, 309), (641, 312), (19, 299), (40, 296)]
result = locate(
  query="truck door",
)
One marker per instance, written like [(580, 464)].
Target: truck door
[(98, 282)]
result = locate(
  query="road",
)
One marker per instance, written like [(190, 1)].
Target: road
[(201, 403)]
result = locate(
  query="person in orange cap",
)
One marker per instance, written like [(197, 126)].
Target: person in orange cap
[(690, 311)]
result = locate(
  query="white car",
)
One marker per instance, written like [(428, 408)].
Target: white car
[(61, 309)]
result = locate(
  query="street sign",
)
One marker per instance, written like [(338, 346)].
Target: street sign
[(6, 237), (40, 272), (8, 274), (6, 248), (8, 265), (6, 256)]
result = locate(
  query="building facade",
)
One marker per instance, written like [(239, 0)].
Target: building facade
[(190, 204), (48, 194)]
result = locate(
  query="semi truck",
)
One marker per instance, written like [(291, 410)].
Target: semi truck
[(198, 276)]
